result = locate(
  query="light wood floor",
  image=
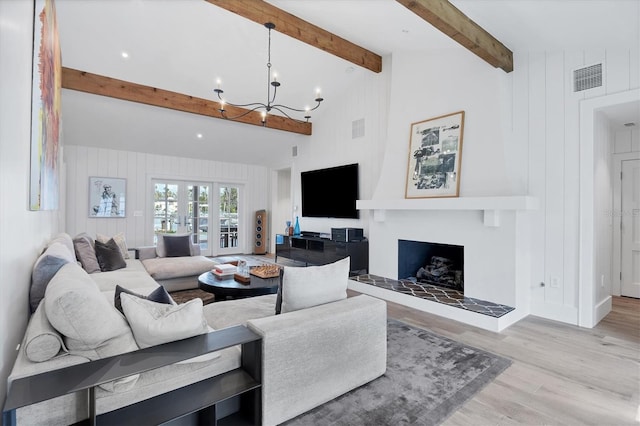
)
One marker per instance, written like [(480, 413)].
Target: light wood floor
[(561, 374)]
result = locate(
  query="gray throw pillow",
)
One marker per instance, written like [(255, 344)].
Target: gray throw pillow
[(177, 246), (47, 265), (85, 252), (159, 295), (109, 256)]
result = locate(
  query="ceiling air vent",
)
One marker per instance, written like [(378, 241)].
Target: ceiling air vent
[(587, 78)]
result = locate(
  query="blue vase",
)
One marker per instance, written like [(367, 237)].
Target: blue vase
[(296, 228)]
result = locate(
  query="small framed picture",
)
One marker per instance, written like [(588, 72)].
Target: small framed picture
[(435, 155), (107, 197)]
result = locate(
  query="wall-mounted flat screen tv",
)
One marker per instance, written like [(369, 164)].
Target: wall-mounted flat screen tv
[(330, 192)]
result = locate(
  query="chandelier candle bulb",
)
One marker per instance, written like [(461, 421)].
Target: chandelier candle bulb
[(271, 100)]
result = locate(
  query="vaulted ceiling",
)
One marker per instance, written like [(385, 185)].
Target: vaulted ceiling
[(183, 46)]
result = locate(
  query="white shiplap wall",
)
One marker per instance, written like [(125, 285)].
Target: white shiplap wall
[(24, 233), (139, 168), (546, 114)]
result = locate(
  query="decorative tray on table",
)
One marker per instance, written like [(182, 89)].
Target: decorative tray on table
[(266, 271)]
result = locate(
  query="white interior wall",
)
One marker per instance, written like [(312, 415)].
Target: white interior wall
[(332, 144), (603, 220), (522, 136), (281, 205), (139, 169), (547, 122), (430, 85), (24, 232)]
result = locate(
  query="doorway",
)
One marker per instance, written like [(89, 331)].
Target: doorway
[(590, 309), (630, 229), (229, 205), (181, 207)]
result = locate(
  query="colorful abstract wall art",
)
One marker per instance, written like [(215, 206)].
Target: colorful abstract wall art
[(45, 108)]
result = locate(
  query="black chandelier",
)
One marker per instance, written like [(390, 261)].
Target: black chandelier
[(270, 105)]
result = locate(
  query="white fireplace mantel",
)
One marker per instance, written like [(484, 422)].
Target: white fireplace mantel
[(491, 206)]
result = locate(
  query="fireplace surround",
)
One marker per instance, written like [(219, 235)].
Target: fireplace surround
[(495, 233)]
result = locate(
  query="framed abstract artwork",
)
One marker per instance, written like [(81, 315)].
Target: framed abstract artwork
[(45, 109), (435, 155), (107, 197)]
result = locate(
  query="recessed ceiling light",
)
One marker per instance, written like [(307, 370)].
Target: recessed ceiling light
[(630, 124), (124, 55), (199, 135)]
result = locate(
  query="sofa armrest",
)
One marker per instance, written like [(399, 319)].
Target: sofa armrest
[(314, 355), (146, 252)]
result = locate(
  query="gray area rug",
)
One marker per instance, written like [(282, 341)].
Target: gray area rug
[(428, 378)]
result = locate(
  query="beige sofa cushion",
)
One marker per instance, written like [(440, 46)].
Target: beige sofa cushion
[(90, 324), (66, 240), (134, 277), (162, 268)]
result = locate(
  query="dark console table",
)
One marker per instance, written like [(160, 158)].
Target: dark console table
[(200, 397), (320, 251)]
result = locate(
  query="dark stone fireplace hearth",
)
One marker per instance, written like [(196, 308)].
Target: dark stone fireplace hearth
[(436, 264)]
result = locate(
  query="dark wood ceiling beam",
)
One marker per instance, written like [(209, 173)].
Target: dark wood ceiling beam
[(451, 21), (262, 12), (105, 86)]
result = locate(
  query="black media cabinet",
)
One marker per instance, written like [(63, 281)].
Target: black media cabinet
[(321, 251)]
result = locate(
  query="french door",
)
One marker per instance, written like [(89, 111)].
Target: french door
[(231, 229), (183, 207)]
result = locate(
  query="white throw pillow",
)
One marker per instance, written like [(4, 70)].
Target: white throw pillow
[(314, 285), (157, 323)]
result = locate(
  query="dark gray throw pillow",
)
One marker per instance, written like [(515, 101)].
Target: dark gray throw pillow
[(109, 256), (46, 267), (177, 246), (279, 296), (159, 295)]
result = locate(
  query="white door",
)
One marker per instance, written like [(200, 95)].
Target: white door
[(630, 258), (183, 207), (230, 219)]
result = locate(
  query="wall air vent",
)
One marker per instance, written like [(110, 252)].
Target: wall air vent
[(587, 78), (294, 151), (357, 128)]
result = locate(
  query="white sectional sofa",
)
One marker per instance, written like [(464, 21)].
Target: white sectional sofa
[(312, 352), (174, 273)]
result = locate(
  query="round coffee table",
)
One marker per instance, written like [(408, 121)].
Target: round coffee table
[(224, 288)]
